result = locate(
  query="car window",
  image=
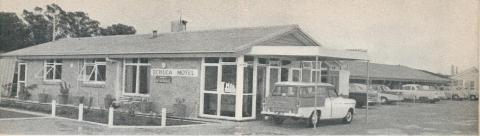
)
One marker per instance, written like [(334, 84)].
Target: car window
[(279, 90), (285, 91), (292, 91), (331, 92), (307, 92)]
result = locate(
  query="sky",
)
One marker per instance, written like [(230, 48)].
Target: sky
[(424, 34)]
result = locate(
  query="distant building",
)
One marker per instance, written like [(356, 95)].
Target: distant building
[(466, 80), (393, 76)]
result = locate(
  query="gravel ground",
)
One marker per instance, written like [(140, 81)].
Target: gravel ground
[(442, 118)]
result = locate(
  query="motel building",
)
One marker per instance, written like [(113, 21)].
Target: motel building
[(222, 74)]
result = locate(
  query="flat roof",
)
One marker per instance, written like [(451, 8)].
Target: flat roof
[(289, 83)]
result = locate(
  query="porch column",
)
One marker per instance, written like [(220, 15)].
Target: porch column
[(239, 89), (254, 87)]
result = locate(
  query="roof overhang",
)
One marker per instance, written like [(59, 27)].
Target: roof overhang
[(307, 51)]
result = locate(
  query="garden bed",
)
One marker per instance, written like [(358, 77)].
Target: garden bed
[(97, 115), (29, 106)]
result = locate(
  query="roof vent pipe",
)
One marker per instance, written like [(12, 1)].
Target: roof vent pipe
[(154, 33), (179, 25)]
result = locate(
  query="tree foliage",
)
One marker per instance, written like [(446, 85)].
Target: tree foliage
[(39, 24), (14, 33), (118, 29)]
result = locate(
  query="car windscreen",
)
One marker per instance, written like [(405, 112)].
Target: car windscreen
[(285, 91)]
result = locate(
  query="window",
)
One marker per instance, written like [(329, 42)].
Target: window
[(472, 85), (136, 76), (94, 70), (52, 70)]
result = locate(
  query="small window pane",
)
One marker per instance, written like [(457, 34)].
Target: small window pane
[(58, 61), (229, 74), (130, 79), (211, 60), (211, 73), (229, 59), (89, 60), (58, 71), (101, 60), (143, 80), (21, 76), (296, 75), (49, 72), (101, 73), (262, 61), (210, 104), (143, 60), (248, 80), (89, 73), (284, 74), (50, 61)]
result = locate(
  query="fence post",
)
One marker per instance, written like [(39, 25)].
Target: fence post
[(164, 117), (54, 107), (110, 116), (80, 112)]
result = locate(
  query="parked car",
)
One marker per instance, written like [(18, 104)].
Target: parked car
[(386, 96), (359, 93), (460, 93), (415, 92), (440, 94), (299, 100)]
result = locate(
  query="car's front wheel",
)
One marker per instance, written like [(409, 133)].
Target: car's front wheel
[(278, 120), (349, 117), (383, 100), (472, 97)]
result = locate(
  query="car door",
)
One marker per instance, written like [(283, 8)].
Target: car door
[(338, 108)]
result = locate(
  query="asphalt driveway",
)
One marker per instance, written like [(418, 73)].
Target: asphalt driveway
[(442, 118)]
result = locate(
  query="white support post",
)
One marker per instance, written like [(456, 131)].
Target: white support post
[(54, 107), (164, 117), (80, 112), (110, 116), (239, 89)]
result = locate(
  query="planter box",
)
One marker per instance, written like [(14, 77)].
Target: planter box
[(43, 97), (62, 99)]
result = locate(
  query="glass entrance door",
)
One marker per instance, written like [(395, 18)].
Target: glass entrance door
[(219, 87), (22, 77)]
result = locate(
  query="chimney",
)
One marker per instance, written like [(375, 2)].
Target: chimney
[(456, 70), (179, 25), (154, 33), (452, 70)]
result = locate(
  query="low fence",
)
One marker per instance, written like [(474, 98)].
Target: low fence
[(108, 117)]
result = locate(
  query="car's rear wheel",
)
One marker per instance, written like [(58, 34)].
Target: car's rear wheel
[(278, 120), (349, 117), (314, 119)]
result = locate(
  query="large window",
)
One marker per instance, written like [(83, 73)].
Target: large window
[(94, 70), (52, 70), (136, 76)]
